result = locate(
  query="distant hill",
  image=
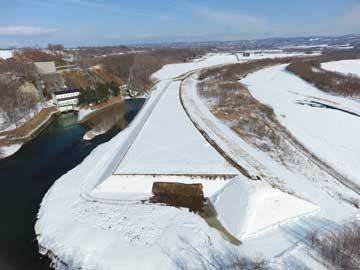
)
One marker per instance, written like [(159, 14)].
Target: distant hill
[(269, 43)]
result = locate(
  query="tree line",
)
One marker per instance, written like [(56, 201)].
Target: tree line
[(98, 94)]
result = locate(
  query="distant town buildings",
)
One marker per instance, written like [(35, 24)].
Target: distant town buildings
[(66, 100)]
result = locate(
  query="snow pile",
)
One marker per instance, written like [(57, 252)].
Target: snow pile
[(331, 134), (344, 66), (6, 54), (247, 208)]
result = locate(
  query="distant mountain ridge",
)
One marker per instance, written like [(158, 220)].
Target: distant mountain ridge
[(268, 43)]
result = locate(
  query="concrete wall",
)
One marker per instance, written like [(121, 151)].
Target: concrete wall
[(45, 67)]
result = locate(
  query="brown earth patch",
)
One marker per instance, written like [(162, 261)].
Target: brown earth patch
[(190, 196)]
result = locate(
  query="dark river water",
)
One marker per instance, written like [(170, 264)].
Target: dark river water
[(25, 178)]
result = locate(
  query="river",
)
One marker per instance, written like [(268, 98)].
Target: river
[(25, 178)]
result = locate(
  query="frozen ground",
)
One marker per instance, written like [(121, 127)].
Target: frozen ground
[(331, 133), (344, 66), (103, 224)]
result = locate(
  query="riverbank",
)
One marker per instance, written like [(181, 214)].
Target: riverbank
[(12, 140), (103, 117), (29, 174), (86, 113)]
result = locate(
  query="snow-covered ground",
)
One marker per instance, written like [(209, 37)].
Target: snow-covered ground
[(344, 66), (169, 143), (303, 179), (264, 54), (104, 225), (174, 70), (5, 54), (331, 134)]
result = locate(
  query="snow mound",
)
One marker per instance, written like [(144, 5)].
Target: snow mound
[(247, 208), (344, 66)]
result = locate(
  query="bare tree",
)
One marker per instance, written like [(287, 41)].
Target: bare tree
[(214, 259), (339, 249)]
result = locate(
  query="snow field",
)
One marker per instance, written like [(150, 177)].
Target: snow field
[(330, 134), (344, 66)]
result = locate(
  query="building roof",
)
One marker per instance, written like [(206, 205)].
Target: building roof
[(66, 91)]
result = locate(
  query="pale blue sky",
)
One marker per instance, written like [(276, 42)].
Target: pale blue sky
[(110, 22)]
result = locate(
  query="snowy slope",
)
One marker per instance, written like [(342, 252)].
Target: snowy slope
[(247, 208), (345, 66), (330, 134), (169, 143)]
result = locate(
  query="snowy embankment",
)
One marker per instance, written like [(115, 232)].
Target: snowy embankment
[(103, 223), (347, 67), (326, 125)]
